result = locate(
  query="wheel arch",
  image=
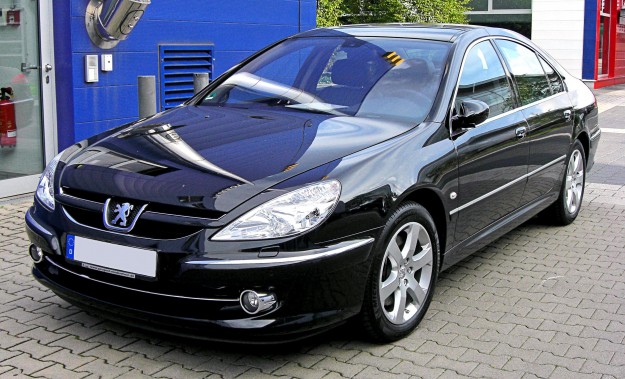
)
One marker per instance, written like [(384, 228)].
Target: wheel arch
[(585, 140), (432, 201)]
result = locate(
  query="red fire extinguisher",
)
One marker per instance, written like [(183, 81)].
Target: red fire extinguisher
[(8, 129)]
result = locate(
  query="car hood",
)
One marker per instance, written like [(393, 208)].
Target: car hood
[(215, 158)]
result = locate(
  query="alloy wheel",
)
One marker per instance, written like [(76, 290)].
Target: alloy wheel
[(406, 272), (574, 182)]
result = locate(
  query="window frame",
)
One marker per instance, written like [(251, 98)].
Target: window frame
[(560, 77), (509, 75), (515, 100), (538, 57), (515, 97)]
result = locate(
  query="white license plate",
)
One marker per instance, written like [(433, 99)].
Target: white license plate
[(108, 257)]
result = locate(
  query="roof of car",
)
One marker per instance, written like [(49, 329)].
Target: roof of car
[(437, 32)]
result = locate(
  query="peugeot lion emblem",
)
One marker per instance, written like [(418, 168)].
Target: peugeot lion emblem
[(121, 216), (123, 211)]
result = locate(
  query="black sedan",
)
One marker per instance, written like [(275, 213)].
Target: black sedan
[(331, 176)]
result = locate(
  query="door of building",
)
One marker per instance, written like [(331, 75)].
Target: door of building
[(27, 116)]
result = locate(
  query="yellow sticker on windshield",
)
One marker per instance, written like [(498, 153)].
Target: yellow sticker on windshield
[(393, 58)]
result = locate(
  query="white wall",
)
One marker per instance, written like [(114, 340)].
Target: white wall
[(558, 27)]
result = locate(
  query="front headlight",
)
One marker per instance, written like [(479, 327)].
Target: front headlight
[(45, 188), (293, 213)]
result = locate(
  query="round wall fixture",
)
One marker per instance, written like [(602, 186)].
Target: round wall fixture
[(110, 21)]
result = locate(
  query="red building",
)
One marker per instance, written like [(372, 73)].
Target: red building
[(604, 42)]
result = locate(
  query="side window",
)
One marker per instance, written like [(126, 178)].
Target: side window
[(483, 78), (527, 71), (554, 79)]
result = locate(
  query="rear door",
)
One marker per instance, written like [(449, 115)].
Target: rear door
[(548, 111), (492, 160)]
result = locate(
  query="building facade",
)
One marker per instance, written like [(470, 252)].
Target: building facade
[(66, 86), (586, 36)]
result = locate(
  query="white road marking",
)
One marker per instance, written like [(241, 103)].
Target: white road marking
[(612, 130)]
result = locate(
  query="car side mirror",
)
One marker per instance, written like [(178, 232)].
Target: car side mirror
[(472, 113)]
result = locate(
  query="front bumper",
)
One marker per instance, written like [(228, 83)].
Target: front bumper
[(196, 294)]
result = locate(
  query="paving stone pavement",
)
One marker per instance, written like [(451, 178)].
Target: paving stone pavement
[(543, 301)]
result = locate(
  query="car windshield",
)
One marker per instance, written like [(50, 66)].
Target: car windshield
[(393, 78)]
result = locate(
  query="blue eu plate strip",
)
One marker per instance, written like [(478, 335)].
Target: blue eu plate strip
[(69, 247)]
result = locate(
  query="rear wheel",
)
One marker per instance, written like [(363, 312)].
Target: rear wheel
[(565, 210), (404, 272)]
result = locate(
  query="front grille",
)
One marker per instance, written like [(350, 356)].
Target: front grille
[(143, 228), (185, 211)]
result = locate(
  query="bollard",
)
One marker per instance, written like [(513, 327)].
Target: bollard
[(200, 80), (147, 95)]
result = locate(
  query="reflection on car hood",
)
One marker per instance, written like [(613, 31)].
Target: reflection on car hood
[(215, 158)]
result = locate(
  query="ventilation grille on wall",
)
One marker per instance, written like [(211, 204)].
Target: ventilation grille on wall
[(178, 63)]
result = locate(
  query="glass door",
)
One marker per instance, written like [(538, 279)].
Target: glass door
[(26, 89)]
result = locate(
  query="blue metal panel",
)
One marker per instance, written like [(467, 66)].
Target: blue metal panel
[(105, 103), (308, 15), (148, 34), (87, 129), (178, 64), (126, 67), (590, 40), (276, 12), (237, 28), (63, 70)]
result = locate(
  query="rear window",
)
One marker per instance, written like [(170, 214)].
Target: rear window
[(369, 77)]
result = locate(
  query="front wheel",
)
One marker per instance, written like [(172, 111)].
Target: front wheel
[(404, 272), (565, 210)]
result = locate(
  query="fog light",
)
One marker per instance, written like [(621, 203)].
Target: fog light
[(36, 253), (253, 302)]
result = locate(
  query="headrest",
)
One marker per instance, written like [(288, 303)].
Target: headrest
[(350, 72)]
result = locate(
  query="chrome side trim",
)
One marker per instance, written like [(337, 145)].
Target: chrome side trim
[(312, 254), (137, 290), (496, 190), (595, 134)]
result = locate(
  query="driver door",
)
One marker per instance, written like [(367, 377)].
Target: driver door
[(493, 156)]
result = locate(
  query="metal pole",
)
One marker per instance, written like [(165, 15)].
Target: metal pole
[(200, 80), (147, 95)]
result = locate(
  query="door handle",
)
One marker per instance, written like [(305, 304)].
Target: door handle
[(520, 132), (48, 67), (568, 115), (26, 67)]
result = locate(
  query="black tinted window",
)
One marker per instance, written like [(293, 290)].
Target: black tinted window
[(527, 71), (483, 78), (554, 79)]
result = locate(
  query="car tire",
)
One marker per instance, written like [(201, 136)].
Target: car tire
[(565, 210), (403, 274)]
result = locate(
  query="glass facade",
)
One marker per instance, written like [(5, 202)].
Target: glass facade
[(510, 14), (478, 5), (21, 127), (512, 4)]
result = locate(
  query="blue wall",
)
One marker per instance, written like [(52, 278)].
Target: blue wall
[(237, 28), (590, 39)]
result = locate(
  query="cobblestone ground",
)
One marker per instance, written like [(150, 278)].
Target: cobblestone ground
[(540, 302)]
